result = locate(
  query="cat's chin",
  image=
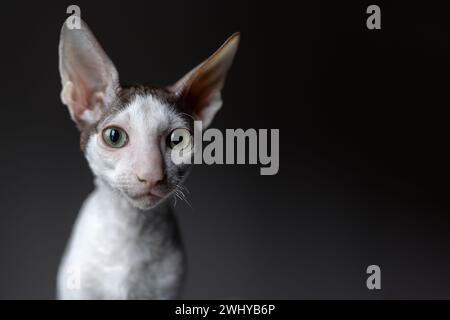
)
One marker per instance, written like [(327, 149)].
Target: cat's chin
[(146, 202)]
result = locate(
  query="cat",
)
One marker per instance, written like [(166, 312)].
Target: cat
[(125, 243)]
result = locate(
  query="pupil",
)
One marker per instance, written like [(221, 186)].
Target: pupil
[(114, 135)]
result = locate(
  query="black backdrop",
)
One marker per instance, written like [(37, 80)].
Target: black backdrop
[(363, 161)]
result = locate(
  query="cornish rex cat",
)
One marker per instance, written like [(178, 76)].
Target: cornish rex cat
[(125, 243)]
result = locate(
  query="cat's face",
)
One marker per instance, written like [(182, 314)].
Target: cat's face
[(126, 132), (130, 147)]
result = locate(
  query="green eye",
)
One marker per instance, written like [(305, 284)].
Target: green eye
[(180, 139), (115, 137)]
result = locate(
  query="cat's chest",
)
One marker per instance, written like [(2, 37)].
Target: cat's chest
[(127, 255), (139, 268)]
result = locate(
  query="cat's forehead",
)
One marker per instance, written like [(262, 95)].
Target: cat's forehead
[(145, 110)]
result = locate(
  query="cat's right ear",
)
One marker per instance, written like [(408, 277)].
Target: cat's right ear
[(89, 78)]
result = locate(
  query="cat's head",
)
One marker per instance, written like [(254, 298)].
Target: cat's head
[(127, 132)]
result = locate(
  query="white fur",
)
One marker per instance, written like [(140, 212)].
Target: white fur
[(123, 248)]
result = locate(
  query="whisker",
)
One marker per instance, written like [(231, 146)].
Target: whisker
[(175, 201), (180, 190)]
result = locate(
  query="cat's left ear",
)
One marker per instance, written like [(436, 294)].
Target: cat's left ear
[(201, 88), (89, 78)]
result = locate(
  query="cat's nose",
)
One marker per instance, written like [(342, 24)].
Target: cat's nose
[(149, 169), (150, 180)]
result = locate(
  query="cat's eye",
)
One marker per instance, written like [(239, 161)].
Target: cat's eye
[(115, 137), (180, 139)]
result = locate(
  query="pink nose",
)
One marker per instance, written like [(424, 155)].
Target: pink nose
[(150, 180)]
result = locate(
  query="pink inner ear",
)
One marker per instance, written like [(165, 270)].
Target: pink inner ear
[(201, 87), (202, 94), (80, 97), (92, 75)]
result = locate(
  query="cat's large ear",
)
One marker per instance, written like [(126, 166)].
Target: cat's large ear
[(201, 88), (89, 78)]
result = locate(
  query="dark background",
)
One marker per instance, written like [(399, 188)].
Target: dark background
[(363, 119)]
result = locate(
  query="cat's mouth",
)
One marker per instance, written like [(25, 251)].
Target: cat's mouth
[(147, 195)]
